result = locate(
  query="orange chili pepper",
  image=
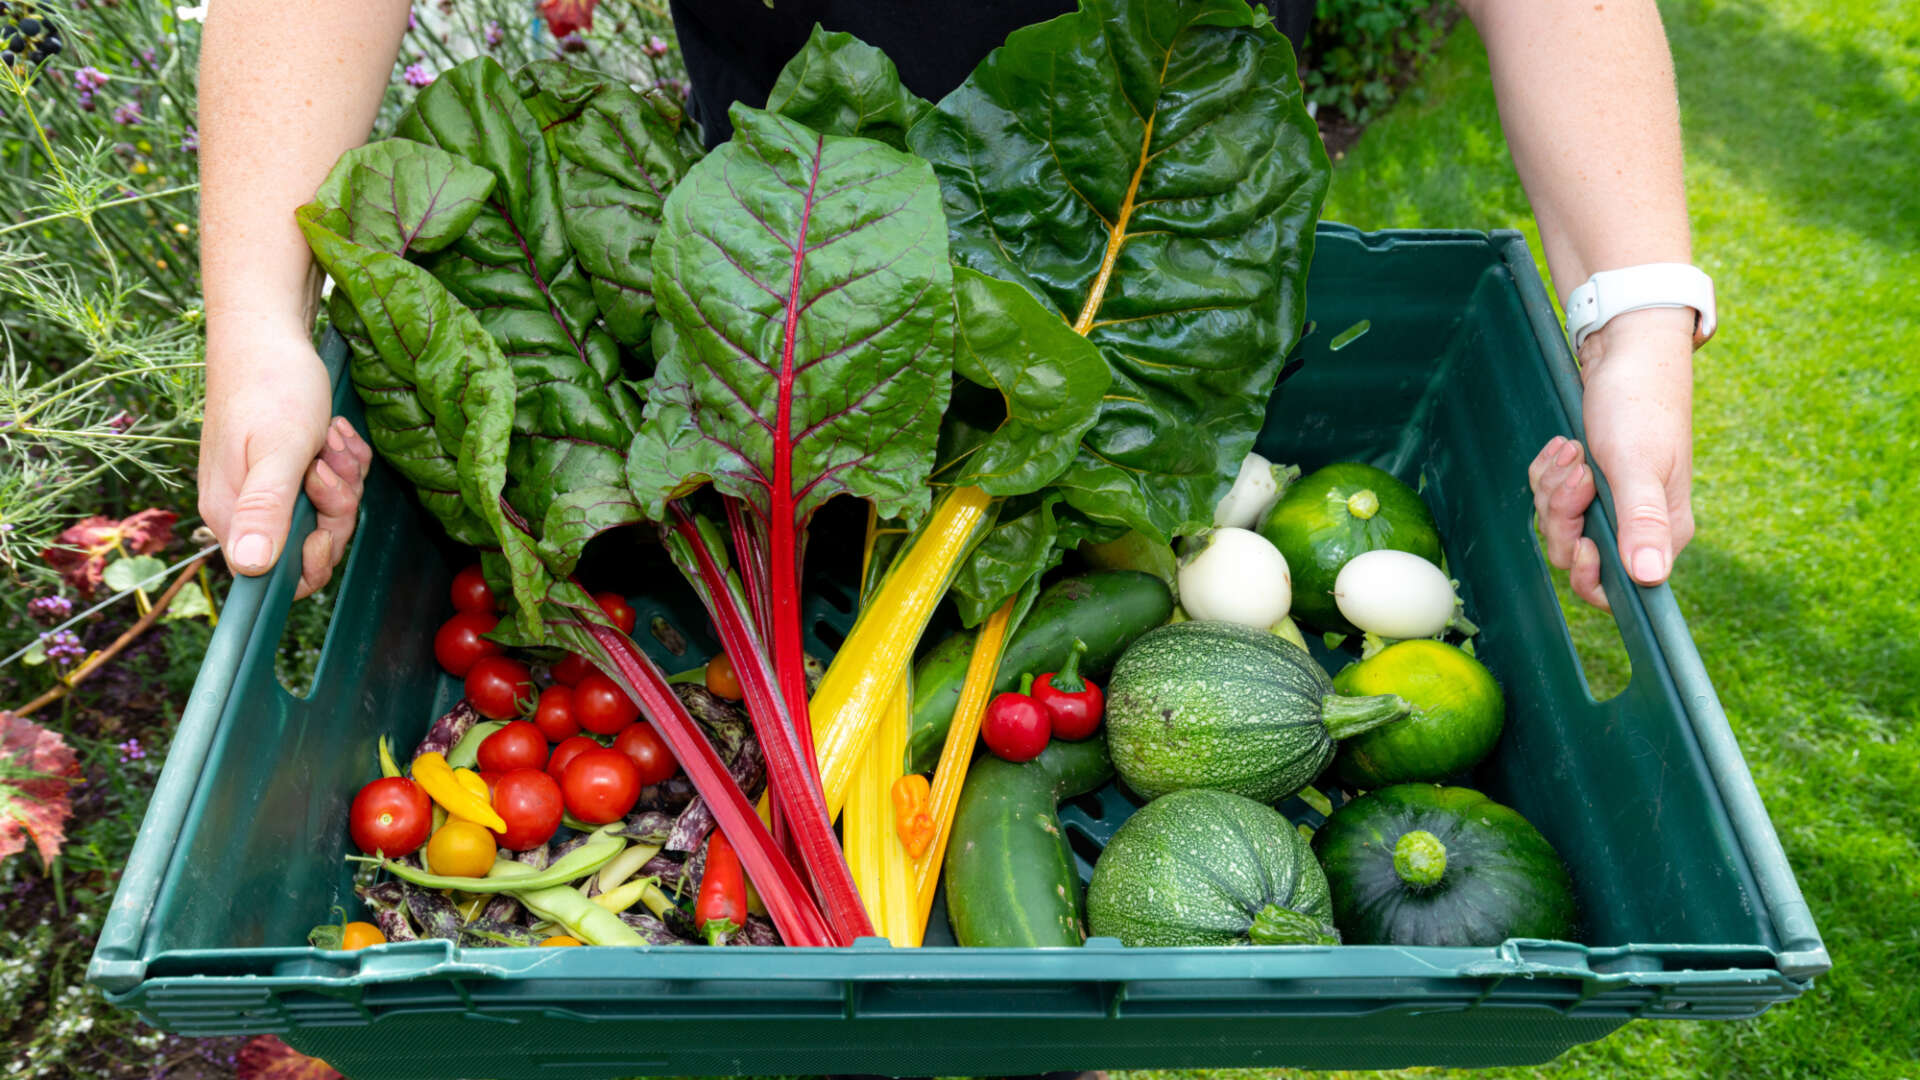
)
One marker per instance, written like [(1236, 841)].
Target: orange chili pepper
[(912, 819)]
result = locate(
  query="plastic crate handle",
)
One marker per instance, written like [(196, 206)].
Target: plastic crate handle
[(1803, 954), (252, 604)]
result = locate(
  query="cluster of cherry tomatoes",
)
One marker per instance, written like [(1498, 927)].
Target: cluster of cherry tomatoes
[(575, 747)]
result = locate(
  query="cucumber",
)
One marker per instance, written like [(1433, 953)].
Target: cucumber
[(1107, 610), (1010, 876)]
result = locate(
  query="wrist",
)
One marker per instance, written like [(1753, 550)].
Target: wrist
[(1655, 337)]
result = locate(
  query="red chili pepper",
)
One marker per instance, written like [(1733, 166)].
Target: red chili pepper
[(1016, 726), (1075, 704), (721, 910)]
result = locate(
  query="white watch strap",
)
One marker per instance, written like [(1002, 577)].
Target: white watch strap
[(1635, 288)]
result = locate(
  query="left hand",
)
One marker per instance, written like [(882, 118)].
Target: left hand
[(1638, 373)]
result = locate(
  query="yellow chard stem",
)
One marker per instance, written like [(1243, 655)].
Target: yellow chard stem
[(860, 682), (977, 689)]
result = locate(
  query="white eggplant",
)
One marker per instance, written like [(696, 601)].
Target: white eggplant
[(1237, 576), (1255, 491), (1396, 595)]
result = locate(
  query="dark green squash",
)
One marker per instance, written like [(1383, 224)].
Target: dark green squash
[(1216, 705), (1421, 864), (1201, 867), (1335, 513)]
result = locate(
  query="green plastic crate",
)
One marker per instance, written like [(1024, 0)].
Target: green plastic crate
[(1689, 906)]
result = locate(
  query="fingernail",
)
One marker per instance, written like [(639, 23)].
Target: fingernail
[(1649, 565), (1568, 453), (335, 440), (252, 551), (326, 474)]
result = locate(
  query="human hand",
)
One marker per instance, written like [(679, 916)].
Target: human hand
[(1638, 372), (269, 432)]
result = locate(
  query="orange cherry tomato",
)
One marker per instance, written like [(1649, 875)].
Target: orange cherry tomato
[(560, 940), (722, 680), (359, 935)]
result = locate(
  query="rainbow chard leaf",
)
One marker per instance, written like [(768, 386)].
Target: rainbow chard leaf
[(1149, 173), (514, 269), (840, 85), (808, 334)]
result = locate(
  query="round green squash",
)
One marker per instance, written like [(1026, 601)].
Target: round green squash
[(1209, 704), (1335, 513), (1202, 867), (1458, 714), (1421, 864)]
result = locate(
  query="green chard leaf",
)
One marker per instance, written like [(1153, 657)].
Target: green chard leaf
[(1149, 173), (454, 372), (400, 198), (840, 85), (617, 154), (1049, 382), (805, 348), (517, 273)]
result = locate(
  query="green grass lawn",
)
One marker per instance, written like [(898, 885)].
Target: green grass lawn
[(1803, 168)]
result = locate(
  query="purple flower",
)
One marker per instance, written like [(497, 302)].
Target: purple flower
[(573, 43), (86, 100), (146, 60), (120, 421), (416, 75), (655, 47), (90, 78), (48, 610), (131, 750), (127, 115), (671, 86), (494, 36), (411, 21), (63, 647), (190, 140)]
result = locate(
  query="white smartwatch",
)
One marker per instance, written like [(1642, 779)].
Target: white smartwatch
[(1634, 288)]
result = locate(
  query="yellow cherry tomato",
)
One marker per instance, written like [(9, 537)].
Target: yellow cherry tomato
[(359, 935), (461, 849)]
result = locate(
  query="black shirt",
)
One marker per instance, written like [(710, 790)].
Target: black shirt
[(735, 48)]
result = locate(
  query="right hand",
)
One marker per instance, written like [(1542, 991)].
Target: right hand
[(269, 432)]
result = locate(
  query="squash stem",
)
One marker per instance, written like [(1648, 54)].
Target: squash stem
[(1346, 717), (1276, 925), (1420, 859)]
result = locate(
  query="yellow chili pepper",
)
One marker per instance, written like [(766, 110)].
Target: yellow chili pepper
[(388, 766), (472, 782), (912, 820), (444, 786)]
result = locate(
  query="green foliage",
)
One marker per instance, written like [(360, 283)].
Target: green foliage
[(1358, 52)]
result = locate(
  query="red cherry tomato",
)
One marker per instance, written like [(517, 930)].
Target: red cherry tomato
[(470, 591), (519, 745), (600, 785), (1016, 727), (722, 680), (500, 688), (529, 801), (554, 715), (391, 815), (566, 752), (648, 751), (458, 644), (618, 610), (570, 671), (600, 706)]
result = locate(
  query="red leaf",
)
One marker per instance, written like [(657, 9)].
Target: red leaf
[(36, 769), (81, 555), (565, 16), (265, 1057)]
